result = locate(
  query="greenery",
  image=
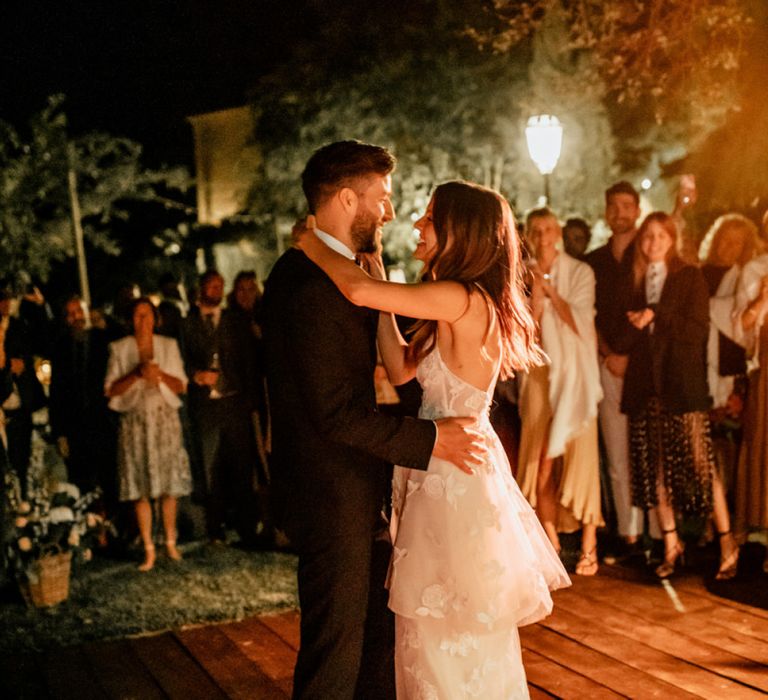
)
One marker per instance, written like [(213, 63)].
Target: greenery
[(111, 599), (35, 212), (638, 85)]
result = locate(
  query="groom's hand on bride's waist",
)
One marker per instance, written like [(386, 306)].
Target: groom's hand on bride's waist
[(460, 442)]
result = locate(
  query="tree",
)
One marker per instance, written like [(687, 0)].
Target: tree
[(35, 215)]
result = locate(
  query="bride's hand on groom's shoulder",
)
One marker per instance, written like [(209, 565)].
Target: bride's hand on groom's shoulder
[(301, 229)]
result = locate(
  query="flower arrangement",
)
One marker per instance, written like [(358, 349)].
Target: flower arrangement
[(53, 519)]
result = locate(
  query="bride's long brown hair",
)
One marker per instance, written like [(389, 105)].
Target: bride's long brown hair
[(478, 246)]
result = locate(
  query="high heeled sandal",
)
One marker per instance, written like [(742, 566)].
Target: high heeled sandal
[(173, 553), (149, 558), (676, 553), (730, 564), (587, 564)]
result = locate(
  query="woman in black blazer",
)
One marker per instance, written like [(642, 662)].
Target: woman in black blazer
[(666, 395)]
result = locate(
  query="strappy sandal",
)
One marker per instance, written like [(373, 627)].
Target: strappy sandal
[(729, 564), (677, 553), (587, 564)]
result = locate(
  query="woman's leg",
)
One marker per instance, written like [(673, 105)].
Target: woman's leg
[(143, 510), (729, 550), (546, 499), (673, 548), (587, 564), (168, 506)]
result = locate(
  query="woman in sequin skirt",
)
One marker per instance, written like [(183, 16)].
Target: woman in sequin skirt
[(666, 395)]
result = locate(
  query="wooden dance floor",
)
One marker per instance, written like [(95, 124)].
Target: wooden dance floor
[(610, 636)]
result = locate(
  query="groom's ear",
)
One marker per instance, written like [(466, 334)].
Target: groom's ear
[(348, 199)]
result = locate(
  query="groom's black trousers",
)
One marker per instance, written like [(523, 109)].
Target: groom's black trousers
[(345, 623)]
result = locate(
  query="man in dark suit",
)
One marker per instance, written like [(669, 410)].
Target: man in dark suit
[(81, 422), (219, 354), (331, 448)]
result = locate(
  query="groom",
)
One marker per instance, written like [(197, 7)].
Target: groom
[(331, 448)]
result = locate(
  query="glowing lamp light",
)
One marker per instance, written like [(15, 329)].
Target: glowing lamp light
[(646, 184), (544, 135)]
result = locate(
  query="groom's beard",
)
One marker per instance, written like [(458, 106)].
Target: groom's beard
[(363, 232)]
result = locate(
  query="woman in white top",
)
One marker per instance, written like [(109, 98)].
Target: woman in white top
[(145, 376), (559, 461)]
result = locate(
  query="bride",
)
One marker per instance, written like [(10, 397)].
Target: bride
[(470, 561)]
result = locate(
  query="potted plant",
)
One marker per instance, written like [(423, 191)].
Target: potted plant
[(42, 532)]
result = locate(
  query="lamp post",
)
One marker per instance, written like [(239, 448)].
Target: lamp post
[(544, 135)]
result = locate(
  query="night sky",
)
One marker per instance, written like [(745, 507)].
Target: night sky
[(138, 69)]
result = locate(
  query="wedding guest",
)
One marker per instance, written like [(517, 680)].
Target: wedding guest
[(751, 485), (666, 395), (612, 265), (576, 237), (27, 395), (558, 402), (219, 354), (80, 420), (145, 376), (726, 248)]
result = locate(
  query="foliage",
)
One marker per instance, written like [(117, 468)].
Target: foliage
[(675, 54), (35, 214)]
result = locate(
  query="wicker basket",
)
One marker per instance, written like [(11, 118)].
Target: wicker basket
[(47, 580)]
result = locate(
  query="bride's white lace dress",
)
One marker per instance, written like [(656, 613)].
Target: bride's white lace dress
[(470, 564)]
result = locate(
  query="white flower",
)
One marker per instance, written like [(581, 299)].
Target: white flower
[(460, 644), (21, 522), (25, 544), (489, 617), (61, 514), (434, 486), (410, 638), (24, 507), (70, 489), (493, 569), (433, 601), (454, 488), (489, 517)]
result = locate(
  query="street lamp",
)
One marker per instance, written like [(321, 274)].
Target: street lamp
[(544, 135)]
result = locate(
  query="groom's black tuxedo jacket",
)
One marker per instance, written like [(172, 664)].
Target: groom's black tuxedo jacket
[(330, 446)]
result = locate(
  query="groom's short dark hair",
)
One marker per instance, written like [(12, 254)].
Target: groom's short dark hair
[(338, 164)]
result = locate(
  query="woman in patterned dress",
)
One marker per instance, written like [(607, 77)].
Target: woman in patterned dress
[(145, 376), (666, 395)]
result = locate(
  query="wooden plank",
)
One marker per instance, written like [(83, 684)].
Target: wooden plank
[(69, 676), (235, 674), (119, 671), (590, 632), (262, 646), (561, 681), (739, 618), (653, 604), (613, 674), (285, 625), (696, 587), (20, 677), (633, 626), (175, 671)]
